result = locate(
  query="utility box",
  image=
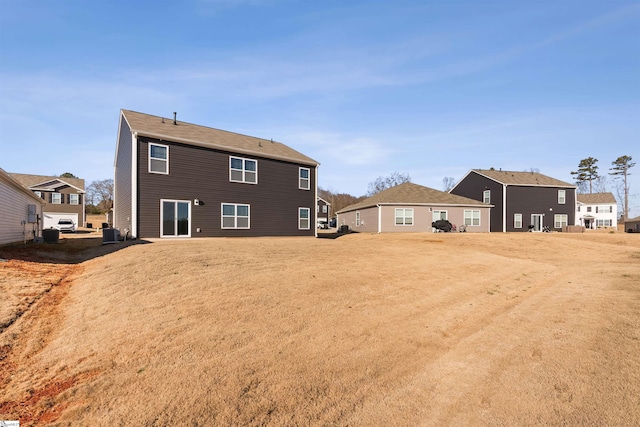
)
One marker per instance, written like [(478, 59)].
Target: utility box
[(110, 235)]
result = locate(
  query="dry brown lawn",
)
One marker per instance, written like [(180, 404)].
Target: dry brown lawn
[(364, 330)]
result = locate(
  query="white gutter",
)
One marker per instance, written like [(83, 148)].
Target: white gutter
[(315, 203), (379, 218), (134, 186), (504, 208)]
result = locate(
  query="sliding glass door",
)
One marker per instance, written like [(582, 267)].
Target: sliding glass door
[(175, 218)]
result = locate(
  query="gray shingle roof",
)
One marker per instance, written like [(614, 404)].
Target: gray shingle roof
[(523, 178), (30, 180), (191, 134), (413, 194), (596, 198)]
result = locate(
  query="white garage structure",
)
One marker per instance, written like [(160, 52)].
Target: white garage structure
[(50, 219)]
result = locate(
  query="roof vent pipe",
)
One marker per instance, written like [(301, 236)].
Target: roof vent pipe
[(174, 118)]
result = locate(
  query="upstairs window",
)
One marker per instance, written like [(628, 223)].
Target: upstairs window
[(324, 208), (304, 181), (562, 197), (158, 159), (243, 170), (38, 193), (74, 199), (486, 197), (357, 218), (56, 198)]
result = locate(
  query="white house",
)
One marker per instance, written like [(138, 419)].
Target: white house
[(20, 211), (596, 210)]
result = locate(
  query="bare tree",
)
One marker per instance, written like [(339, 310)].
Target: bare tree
[(448, 183), (620, 169), (600, 184), (384, 182), (100, 195)]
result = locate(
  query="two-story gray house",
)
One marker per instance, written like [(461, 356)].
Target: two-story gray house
[(522, 201), (177, 179)]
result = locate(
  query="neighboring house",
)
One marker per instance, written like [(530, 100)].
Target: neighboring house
[(63, 197), (177, 179), (597, 210), (20, 211), (522, 201), (323, 210), (632, 225), (411, 207)]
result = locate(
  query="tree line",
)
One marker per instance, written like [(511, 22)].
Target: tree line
[(587, 176)]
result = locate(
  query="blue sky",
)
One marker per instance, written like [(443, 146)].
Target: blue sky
[(429, 88)]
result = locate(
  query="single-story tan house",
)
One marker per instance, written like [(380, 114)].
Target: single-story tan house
[(632, 225), (20, 211), (411, 207)]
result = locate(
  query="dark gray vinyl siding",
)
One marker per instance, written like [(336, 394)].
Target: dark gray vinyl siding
[(202, 173), (538, 200), (473, 186), (122, 183)]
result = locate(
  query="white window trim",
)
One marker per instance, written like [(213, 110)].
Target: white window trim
[(433, 213), (164, 160), (244, 170), (235, 216), (556, 222), (515, 221), (53, 198), (562, 200), (464, 218), (300, 178), (308, 227), (404, 217), (486, 197), (172, 236)]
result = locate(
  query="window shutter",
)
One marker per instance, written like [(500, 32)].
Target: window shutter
[(50, 197)]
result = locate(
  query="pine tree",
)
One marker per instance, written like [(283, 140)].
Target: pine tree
[(587, 172), (621, 168)]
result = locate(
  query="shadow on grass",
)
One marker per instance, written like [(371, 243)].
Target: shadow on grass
[(68, 251), (333, 235)]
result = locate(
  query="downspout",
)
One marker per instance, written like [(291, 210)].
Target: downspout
[(315, 204), (504, 208), (134, 186), (379, 218)]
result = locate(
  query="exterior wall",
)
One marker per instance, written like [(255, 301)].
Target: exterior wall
[(368, 220), (203, 174), (583, 209), (473, 186), (538, 200), (422, 218), (13, 210), (122, 183)]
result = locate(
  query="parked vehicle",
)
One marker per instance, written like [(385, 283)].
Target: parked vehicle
[(332, 223), (66, 225), (323, 225)]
